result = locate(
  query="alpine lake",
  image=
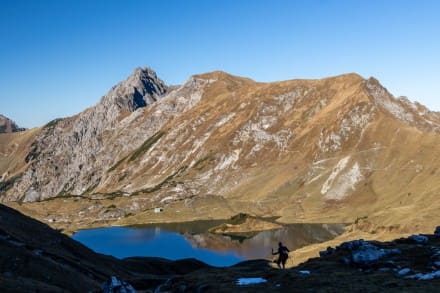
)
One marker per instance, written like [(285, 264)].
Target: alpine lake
[(192, 240)]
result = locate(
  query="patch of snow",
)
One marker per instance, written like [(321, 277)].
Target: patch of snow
[(304, 272), (250, 281)]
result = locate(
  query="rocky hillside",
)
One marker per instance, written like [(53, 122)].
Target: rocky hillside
[(327, 150), (8, 126), (36, 258)]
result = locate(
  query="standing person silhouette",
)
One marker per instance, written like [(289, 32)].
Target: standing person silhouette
[(283, 253)]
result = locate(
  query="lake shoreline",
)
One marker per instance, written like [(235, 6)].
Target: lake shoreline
[(195, 240)]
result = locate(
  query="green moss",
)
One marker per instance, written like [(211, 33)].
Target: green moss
[(91, 188), (116, 165), (113, 195), (33, 152), (5, 185), (162, 183), (200, 164), (53, 123), (146, 145), (64, 196)]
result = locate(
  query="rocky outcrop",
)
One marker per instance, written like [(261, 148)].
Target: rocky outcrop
[(67, 157), (244, 223), (416, 257), (8, 126)]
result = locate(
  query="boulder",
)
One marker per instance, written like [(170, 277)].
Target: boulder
[(352, 245), (328, 251), (403, 271), (113, 285), (421, 239), (427, 276), (364, 253)]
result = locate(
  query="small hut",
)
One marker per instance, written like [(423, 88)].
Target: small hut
[(158, 210)]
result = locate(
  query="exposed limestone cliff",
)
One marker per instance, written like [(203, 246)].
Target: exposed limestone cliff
[(67, 157)]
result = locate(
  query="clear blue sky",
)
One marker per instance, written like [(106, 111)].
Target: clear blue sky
[(59, 57)]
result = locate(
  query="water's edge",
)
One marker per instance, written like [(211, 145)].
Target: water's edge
[(192, 240)]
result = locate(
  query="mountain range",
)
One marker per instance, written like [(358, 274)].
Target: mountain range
[(8, 126), (336, 149)]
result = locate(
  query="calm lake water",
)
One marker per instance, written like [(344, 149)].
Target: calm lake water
[(191, 240)]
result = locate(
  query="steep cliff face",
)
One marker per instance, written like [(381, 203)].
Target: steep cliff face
[(333, 148), (67, 156)]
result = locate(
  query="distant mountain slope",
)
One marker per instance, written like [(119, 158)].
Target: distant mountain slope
[(332, 149), (8, 126)]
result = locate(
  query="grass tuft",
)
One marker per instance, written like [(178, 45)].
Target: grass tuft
[(146, 145)]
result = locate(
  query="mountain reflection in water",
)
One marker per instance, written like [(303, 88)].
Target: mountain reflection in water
[(191, 240)]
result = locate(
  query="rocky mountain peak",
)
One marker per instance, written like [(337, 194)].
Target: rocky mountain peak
[(402, 108), (140, 89), (7, 125)]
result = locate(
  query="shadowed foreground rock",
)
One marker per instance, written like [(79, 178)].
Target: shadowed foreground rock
[(34, 257)]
